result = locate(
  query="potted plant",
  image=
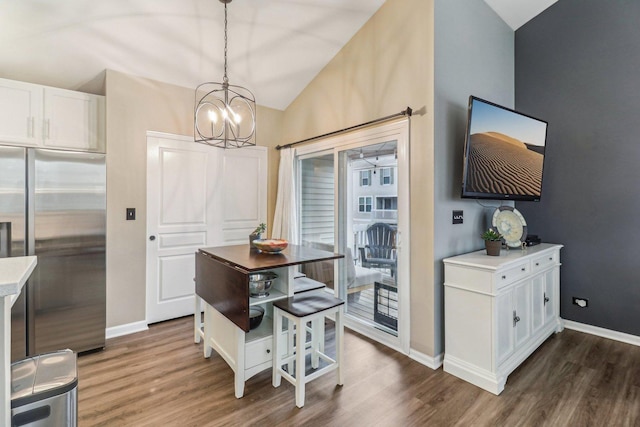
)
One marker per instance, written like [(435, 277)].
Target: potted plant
[(492, 241), (257, 233)]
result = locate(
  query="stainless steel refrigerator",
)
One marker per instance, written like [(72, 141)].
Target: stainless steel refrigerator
[(53, 205)]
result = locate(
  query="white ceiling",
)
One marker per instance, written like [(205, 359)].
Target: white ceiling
[(276, 47), (516, 13)]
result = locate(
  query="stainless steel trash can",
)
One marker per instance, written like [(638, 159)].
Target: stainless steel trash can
[(44, 390)]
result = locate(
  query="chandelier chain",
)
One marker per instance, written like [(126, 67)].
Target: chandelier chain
[(224, 115), (225, 79)]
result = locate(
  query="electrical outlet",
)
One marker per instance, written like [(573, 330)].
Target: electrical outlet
[(580, 302)]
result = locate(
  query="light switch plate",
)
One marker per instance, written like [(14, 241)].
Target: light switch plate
[(458, 217)]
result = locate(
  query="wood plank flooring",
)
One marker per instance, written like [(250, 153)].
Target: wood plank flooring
[(160, 378)]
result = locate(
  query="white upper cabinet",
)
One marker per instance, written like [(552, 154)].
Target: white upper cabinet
[(20, 112), (40, 116), (73, 120)]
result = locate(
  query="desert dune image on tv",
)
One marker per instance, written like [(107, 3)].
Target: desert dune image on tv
[(505, 152)]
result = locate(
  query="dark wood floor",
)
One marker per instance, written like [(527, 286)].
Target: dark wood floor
[(160, 378)]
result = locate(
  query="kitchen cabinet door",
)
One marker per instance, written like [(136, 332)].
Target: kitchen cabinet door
[(505, 339), (550, 296), (73, 120), (537, 303), (522, 312), (20, 113)]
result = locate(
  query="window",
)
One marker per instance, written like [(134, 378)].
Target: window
[(387, 203), (365, 178), (364, 204), (386, 176)]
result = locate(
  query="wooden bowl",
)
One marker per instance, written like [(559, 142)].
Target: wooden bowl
[(271, 246)]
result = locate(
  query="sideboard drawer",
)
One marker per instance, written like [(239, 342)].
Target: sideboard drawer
[(545, 261), (510, 275)]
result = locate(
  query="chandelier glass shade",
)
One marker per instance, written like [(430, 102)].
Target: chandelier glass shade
[(225, 115)]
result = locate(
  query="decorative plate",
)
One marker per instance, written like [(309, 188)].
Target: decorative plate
[(511, 224), (271, 246)]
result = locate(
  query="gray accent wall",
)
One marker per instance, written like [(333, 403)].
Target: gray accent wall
[(578, 67), (474, 55)]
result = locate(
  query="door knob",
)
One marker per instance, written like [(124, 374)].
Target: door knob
[(152, 238)]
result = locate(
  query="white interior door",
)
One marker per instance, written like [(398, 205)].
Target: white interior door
[(181, 218)]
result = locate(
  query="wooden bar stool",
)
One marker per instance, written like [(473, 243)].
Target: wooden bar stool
[(305, 284), (300, 310)]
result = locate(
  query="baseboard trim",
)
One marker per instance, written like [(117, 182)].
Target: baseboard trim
[(602, 332), (428, 361), (129, 328)]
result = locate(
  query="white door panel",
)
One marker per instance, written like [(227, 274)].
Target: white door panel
[(183, 191), (173, 240), (181, 218), (172, 270), (244, 182)]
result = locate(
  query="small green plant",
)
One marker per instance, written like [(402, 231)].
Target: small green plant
[(260, 229), (491, 235)]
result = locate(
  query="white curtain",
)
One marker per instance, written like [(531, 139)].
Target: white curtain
[(285, 223)]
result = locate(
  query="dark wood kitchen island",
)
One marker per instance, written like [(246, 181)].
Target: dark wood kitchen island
[(222, 281)]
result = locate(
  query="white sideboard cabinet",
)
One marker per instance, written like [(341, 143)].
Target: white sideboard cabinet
[(498, 310), (41, 116)]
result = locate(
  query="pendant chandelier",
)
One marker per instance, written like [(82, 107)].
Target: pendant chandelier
[(225, 115)]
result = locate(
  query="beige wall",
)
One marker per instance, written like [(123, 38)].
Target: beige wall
[(387, 66), (134, 106)]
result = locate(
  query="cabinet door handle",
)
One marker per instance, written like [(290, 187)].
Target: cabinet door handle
[(48, 129), (537, 264), (268, 351), (523, 269), (29, 130), (516, 319), (550, 258), (546, 299), (504, 277)]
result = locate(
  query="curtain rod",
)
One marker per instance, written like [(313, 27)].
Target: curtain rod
[(406, 112)]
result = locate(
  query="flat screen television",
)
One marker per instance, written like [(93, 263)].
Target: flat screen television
[(504, 153)]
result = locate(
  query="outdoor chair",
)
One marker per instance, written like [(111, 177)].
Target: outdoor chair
[(380, 251)]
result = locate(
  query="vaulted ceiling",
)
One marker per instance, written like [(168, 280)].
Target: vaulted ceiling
[(276, 47)]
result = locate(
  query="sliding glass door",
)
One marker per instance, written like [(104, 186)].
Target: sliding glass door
[(316, 193), (368, 225), (353, 199)]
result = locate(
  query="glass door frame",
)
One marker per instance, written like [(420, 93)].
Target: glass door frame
[(397, 130)]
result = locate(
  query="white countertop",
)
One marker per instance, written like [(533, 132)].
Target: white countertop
[(480, 259), (14, 272)]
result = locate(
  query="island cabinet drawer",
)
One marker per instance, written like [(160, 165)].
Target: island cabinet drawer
[(509, 275), (544, 261), (257, 352)]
